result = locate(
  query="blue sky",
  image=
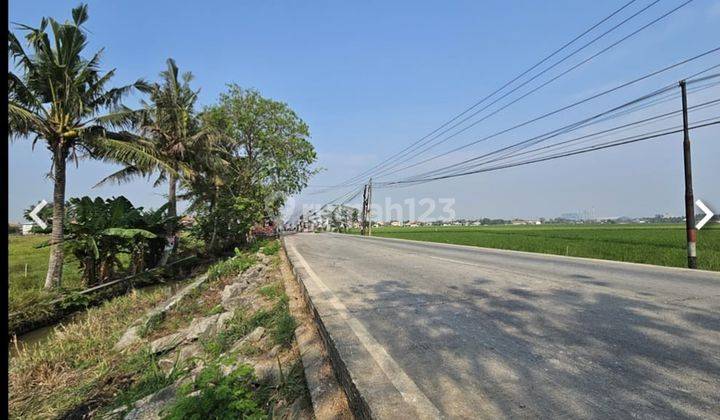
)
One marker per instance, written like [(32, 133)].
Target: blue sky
[(370, 77)]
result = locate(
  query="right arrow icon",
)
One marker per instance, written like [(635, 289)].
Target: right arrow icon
[(708, 214)]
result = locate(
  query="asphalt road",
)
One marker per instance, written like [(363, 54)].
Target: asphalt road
[(480, 333)]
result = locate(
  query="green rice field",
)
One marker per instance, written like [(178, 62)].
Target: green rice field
[(641, 243)]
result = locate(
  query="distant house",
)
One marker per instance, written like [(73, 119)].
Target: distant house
[(187, 221), (27, 228)]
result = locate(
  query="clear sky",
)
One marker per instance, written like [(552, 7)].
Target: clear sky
[(370, 77)]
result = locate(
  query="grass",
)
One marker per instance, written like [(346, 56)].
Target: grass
[(24, 290), (77, 362), (205, 300), (235, 265), (650, 244), (271, 248), (75, 370), (277, 320), (220, 396)]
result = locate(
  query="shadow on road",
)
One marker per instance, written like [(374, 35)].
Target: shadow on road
[(513, 352)]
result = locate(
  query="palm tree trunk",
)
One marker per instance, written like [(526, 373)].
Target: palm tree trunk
[(213, 238), (172, 198), (55, 264), (172, 212)]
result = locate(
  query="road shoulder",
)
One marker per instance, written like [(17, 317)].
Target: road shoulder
[(376, 386)]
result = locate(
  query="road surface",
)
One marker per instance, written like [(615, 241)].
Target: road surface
[(463, 332)]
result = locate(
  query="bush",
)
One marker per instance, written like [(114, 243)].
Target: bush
[(220, 397), (272, 248), (231, 266)]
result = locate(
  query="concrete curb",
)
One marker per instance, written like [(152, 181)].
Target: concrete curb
[(358, 405), (329, 400)]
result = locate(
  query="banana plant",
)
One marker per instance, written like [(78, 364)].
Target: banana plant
[(100, 231)]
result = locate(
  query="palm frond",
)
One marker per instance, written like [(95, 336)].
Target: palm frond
[(116, 148), (122, 118), (22, 121), (125, 174)]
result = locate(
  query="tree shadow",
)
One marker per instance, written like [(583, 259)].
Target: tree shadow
[(477, 350)]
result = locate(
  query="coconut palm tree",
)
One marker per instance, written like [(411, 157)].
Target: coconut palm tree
[(168, 122), (61, 98)]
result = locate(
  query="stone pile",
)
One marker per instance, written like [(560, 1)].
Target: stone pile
[(185, 345)]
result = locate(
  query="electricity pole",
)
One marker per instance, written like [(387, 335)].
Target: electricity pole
[(369, 204), (363, 212), (689, 199)]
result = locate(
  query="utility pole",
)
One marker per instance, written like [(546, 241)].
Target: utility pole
[(689, 199), (369, 204), (363, 213)]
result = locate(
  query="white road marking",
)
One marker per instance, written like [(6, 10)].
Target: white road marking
[(400, 380)]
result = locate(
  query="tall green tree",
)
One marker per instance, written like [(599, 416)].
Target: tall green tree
[(57, 96), (266, 138), (266, 156)]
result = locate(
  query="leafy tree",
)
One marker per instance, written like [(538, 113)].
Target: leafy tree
[(61, 98), (268, 140), (264, 157)]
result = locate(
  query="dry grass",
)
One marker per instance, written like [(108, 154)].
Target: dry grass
[(77, 362), (76, 371), (202, 301)]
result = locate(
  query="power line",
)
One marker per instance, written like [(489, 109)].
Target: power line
[(565, 154), (654, 21), (573, 105), (610, 114), (462, 130), (476, 104)]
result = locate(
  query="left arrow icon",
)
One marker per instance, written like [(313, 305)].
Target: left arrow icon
[(35, 217)]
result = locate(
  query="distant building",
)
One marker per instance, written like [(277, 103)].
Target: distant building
[(27, 228)]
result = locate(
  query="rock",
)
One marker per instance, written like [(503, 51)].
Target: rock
[(249, 340), (189, 351), (116, 414), (275, 351), (166, 365), (267, 370), (151, 406), (232, 295), (168, 342), (201, 327), (253, 274), (226, 369), (256, 335), (263, 259), (279, 410), (223, 319), (295, 412), (130, 337)]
